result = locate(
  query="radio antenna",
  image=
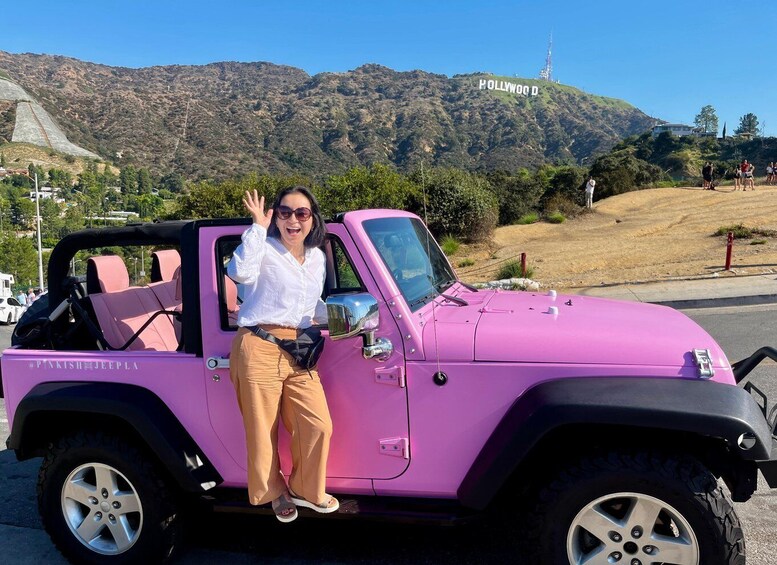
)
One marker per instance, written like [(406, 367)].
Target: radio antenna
[(431, 278)]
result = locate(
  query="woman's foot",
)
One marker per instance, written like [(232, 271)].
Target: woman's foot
[(331, 504), (284, 508)]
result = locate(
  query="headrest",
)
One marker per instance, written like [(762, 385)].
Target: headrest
[(163, 264), (106, 273)]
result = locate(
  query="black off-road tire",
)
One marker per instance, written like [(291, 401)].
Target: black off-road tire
[(160, 532), (677, 482)]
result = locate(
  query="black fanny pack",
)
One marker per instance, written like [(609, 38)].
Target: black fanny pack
[(305, 350)]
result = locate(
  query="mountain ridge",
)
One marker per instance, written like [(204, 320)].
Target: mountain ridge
[(209, 121)]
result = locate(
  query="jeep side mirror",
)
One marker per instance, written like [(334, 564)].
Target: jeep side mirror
[(357, 314), (351, 314)]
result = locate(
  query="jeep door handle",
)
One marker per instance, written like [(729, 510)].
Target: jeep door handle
[(217, 363)]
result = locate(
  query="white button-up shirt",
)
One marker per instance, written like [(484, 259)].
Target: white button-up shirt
[(278, 290)]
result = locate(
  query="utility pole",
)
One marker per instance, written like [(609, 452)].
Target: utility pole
[(40, 250)]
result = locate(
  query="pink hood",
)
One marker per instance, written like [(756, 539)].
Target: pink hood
[(517, 327)]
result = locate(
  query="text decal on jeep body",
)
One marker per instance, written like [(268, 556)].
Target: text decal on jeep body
[(85, 365)]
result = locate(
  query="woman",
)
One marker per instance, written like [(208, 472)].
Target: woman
[(283, 271)]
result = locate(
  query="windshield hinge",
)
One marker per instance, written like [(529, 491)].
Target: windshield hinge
[(703, 361), (395, 447), (391, 376)]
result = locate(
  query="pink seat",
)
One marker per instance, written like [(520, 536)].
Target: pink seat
[(122, 310), (164, 264), (230, 293)]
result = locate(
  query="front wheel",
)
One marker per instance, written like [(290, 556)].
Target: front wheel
[(101, 501), (636, 509)]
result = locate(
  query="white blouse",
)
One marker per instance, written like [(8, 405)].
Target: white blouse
[(278, 290)]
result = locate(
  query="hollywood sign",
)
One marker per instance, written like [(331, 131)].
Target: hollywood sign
[(506, 86)]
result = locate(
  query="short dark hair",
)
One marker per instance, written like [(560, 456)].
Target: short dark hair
[(317, 233)]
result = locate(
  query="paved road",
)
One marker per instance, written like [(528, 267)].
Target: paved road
[(241, 541)]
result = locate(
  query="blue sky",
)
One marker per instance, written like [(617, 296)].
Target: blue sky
[(668, 58)]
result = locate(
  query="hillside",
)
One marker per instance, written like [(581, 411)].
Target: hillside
[(653, 234), (218, 119)]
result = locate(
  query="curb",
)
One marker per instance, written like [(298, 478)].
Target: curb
[(718, 302)]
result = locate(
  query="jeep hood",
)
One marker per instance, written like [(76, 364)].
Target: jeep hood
[(521, 327)]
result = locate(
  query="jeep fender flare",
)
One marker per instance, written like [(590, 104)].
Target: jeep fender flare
[(53, 404), (702, 408)]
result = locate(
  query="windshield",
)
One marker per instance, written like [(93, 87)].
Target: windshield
[(413, 257)]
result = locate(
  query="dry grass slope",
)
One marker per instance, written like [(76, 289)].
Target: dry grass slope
[(654, 234)]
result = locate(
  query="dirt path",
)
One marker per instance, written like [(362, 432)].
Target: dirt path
[(653, 234)]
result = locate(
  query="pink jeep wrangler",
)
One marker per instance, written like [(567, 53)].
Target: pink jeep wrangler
[(613, 425)]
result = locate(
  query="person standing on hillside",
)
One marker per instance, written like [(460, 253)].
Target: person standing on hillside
[(769, 173), (706, 175), (589, 192), (750, 176)]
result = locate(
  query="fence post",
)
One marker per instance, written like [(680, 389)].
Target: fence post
[(729, 246), (523, 265)]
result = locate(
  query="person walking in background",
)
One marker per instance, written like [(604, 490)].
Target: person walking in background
[(769, 173), (21, 298), (706, 175), (750, 176), (737, 177), (589, 192), (30, 297)]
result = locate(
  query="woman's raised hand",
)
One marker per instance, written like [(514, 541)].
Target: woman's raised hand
[(255, 206)]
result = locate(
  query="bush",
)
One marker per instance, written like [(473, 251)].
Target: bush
[(566, 207), (516, 194), (530, 218), (450, 245), (378, 186), (556, 218), (512, 270), (741, 231), (459, 204), (466, 263)]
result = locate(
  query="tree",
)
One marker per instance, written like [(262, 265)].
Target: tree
[(378, 186), (60, 179), (144, 181), (748, 124), (707, 119), (172, 182), (128, 180), (19, 257)]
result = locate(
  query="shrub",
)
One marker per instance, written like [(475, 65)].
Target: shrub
[(758, 242), (512, 270), (564, 206), (741, 231), (556, 218), (530, 218), (466, 263), (450, 245), (459, 204)]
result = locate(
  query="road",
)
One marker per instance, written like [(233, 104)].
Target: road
[(239, 540)]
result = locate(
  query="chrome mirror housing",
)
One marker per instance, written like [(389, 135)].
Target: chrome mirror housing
[(352, 314)]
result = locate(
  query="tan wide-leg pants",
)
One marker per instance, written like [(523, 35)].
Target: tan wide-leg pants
[(269, 388)]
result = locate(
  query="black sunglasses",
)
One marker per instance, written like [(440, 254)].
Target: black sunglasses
[(303, 214)]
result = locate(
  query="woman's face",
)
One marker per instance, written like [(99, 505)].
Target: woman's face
[(294, 229)]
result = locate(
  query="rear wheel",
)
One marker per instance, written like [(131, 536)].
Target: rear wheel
[(101, 501), (637, 509)]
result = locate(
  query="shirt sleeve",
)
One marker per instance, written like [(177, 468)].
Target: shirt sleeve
[(244, 266), (321, 316)]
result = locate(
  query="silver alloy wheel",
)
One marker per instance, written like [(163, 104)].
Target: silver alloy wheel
[(102, 508), (628, 527)]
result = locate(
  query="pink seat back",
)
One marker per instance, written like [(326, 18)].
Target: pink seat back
[(122, 310), (106, 273), (164, 264)]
